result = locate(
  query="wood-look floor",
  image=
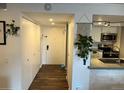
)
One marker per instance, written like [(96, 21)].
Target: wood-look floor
[(50, 77)]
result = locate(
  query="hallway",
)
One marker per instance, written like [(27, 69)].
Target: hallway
[(50, 77)]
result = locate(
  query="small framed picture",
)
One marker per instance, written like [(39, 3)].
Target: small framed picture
[(2, 33)]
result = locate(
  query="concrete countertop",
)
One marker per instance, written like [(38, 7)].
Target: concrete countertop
[(97, 64)]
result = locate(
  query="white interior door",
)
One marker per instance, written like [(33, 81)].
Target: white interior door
[(53, 49)]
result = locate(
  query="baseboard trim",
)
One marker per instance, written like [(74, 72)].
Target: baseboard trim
[(5, 89), (34, 77)]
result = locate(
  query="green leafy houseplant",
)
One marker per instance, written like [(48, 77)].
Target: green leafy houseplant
[(84, 44), (12, 29)]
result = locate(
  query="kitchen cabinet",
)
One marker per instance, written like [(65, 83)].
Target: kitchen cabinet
[(96, 33), (97, 30), (109, 29)]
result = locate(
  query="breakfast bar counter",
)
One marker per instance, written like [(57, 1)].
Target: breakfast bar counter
[(98, 64), (106, 76)]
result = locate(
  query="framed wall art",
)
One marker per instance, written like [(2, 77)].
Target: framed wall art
[(2, 33)]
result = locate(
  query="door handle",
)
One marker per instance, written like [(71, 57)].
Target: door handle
[(47, 47)]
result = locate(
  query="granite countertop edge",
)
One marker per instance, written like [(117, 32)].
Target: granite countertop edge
[(90, 67)]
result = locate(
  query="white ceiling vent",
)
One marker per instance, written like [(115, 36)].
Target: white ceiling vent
[(47, 6)]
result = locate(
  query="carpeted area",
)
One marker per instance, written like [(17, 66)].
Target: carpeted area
[(50, 77)]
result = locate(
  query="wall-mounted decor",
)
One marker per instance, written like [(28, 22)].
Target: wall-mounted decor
[(12, 29), (2, 33)]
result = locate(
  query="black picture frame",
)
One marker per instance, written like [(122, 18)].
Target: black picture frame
[(2, 33)]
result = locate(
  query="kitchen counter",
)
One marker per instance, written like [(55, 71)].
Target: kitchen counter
[(97, 64)]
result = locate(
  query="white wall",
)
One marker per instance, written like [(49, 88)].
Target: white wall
[(11, 55), (9, 65), (81, 73), (70, 52), (30, 38), (56, 40), (81, 81), (10, 68)]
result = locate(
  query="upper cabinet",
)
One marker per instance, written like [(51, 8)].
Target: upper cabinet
[(97, 30), (109, 29)]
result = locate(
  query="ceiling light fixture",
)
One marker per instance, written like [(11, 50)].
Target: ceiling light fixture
[(48, 7), (50, 19), (4, 9), (99, 23), (53, 23), (107, 24)]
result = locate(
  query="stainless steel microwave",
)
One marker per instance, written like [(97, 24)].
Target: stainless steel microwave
[(109, 37)]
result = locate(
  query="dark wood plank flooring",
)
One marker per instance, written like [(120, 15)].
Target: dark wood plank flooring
[(50, 77)]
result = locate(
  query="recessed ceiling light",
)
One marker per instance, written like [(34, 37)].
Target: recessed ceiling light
[(99, 23), (53, 23), (50, 19)]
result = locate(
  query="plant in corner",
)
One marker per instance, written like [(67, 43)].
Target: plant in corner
[(12, 29), (84, 44)]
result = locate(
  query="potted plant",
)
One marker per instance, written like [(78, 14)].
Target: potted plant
[(83, 44)]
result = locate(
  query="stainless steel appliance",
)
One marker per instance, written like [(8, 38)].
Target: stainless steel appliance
[(110, 54), (108, 51), (108, 37)]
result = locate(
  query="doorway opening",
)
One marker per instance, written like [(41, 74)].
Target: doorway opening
[(56, 40)]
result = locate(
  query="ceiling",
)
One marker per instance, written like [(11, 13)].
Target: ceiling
[(110, 18), (113, 20), (43, 18)]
